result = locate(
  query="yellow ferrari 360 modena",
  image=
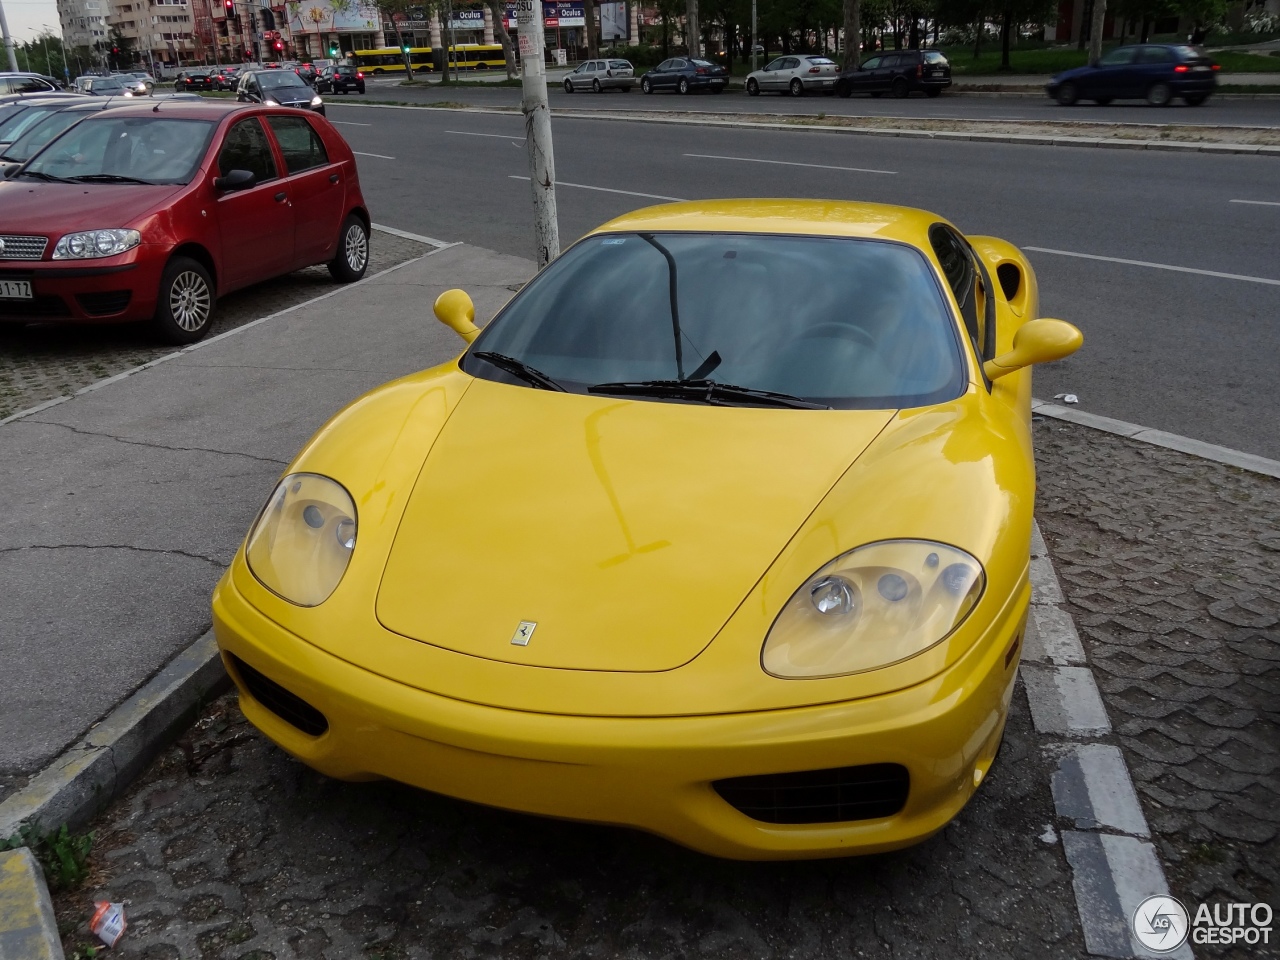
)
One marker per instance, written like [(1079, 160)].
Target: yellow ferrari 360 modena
[(719, 530)]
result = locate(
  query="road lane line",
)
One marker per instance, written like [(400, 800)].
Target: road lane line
[(496, 136), (628, 193), (1258, 203), (351, 123), (789, 163), (1156, 266), (380, 156)]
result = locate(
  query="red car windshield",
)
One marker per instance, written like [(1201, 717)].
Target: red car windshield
[(111, 149)]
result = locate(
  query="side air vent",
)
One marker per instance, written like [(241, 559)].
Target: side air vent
[(289, 707), (838, 795)]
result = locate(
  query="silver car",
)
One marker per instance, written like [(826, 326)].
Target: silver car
[(601, 75), (795, 74)]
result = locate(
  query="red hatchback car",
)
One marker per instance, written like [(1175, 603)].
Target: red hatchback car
[(150, 213)]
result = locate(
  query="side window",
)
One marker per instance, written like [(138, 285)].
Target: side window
[(1154, 55), (872, 64), (957, 266), (30, 85), (246, 148), (891, 62), (299, 143), (792, 63), (775, 65)]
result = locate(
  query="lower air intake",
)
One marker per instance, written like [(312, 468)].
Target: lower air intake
[(838, 795), (289, 707)]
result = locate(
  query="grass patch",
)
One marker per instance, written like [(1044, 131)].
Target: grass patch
[(1248, 88), (63, 855), (1233, 62)]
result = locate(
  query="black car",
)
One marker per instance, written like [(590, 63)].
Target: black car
[(685, 74), (225, 78), (193, 80), (340, 79), (897, 74), (1155, 72), (278, 88)]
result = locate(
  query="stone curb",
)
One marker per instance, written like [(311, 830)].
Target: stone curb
[(28, 929), (1114, 143)]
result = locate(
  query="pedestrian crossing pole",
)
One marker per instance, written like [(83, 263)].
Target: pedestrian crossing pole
[(8, 41), (537, 130)]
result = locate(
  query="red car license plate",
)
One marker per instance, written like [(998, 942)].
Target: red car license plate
[(15, 289)]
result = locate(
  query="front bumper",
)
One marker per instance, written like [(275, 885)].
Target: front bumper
[(119, 289), (654, 773)]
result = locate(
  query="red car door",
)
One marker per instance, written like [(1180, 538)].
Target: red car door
[(316, 189), (255, 223)]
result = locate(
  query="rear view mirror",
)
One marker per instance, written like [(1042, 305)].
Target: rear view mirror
[(1037, 341), (235, 180), (455, 310)]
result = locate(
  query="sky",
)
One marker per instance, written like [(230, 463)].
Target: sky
[(26, 16)]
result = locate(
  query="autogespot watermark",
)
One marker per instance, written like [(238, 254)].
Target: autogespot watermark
[(1162, 924)]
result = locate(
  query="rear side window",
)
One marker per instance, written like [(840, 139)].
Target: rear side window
[(299, 143), (1155, 55), (247, 148)]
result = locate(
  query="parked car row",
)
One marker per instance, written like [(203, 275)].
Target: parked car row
[(168, 209)]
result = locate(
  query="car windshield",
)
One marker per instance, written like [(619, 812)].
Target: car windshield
[(846, 323), (702, 63), (117, 149), (276, 81), (12, 125), (39, 134), (108, 85), (933, 56), (821, 61), (619, 65)]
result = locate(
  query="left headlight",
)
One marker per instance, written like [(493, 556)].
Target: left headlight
[(303, 541), (95, 243), (873, 607), (316, 101)]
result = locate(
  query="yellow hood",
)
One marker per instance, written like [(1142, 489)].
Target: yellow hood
[(628, 531)]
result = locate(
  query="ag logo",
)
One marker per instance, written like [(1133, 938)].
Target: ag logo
[(1160, 923), (524, 633)]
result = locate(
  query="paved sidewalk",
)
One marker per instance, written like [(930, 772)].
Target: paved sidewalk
[(122, 507)]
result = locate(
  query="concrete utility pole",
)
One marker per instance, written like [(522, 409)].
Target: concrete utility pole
[(537, 130), (755, 42), (1095, 29), (8, 41)]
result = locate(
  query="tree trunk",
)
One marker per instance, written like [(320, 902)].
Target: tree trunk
[(1085, 20), (693, 35), (497, 9), (913, 37), (852, 34), (977, 37), (666, 36), (593, 43), (1095, 30), (1006, 22)]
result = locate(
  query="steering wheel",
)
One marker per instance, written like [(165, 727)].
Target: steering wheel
[(846, 331)]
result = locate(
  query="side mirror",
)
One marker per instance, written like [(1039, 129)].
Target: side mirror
[(235, 180), (455, 310), (1037, 341)]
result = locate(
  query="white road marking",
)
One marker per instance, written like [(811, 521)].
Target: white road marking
[(380, 156), (1156, 266), (1258, 203), (496, 136), (1065, 701), (789, 163), (351, 123), (430, 241), (628, 193), (1092, 786)]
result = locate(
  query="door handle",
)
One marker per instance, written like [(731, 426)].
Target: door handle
[(281, 197), (333, 178)]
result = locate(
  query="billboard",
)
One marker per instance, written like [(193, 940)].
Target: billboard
[(614, 21), (467, 20), (317, 16), (568, 13)]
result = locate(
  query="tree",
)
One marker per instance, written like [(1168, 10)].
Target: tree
[(589, 7), (852, 34), (1095, 29), (692, 34), (497, 9), (397, 10)]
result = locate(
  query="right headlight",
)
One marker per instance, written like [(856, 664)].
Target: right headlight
[(872, 607), (301, 545)]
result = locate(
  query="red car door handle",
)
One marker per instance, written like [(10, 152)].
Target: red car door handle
[(281, 197), (333, 178)]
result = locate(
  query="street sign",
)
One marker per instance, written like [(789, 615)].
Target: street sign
[(524, 11)]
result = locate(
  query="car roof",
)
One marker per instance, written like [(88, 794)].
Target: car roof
[(182, 109), (827, 218)]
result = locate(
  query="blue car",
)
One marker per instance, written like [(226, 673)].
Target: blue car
[(1155, 72)]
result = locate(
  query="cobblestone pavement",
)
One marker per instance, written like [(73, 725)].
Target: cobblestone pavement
[(227, 848), (1171, 566), (41, 361)]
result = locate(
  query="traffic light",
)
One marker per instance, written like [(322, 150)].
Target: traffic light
[(231, 6), (333, 49), (405, 48), (279, 46)]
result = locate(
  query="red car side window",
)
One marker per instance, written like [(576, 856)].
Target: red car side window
[(246, 148), (299, 143)]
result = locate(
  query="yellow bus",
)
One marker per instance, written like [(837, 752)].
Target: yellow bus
[(465, 56)]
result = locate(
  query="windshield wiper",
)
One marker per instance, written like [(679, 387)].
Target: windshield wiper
[(706, 391), (43, 176), (109, 178), (530, 375)]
